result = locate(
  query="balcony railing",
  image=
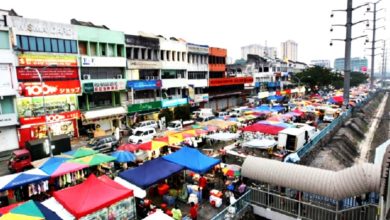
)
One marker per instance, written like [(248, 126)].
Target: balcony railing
[(300, 209)]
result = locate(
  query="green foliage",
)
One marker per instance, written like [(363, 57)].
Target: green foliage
[(182, 112), (317, 77), (358, 78), (168, 114)]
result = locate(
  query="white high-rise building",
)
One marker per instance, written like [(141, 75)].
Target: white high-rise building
[(289, 50), (322, 63), (258, 49)]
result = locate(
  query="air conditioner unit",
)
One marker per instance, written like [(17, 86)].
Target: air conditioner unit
[(119, 76), (86, 76)]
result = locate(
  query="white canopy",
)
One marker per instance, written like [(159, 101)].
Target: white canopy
[(223, 136), (105, 112), (138, 192), (158, 215), (56, 207), (260, 143), (380, 152)]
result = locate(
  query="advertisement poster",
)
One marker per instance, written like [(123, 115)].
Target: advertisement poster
[(33, 106), (46, 60), (48, 73), (50, 88), (191, 94)]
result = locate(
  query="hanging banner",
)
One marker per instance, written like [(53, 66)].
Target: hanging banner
[(47, 73), (46, 60), (108, 86), (50, 88), (54, 118)]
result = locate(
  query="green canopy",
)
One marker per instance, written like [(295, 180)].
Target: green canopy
[(94, 160)]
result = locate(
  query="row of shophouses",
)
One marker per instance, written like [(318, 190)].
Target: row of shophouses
[(93, 75)]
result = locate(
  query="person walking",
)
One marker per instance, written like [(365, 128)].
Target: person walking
[(194, 211)]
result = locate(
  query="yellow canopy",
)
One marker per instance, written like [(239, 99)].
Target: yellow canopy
[(12, 216)]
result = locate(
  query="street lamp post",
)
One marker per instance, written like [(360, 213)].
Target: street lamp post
[(44, 104)]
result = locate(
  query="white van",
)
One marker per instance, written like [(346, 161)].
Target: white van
[(145, 124), (142, 135), (237, 112)]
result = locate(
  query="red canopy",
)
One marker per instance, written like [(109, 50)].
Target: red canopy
[(338, 99), (263, 128), (298, 112), (91, 195), (128, 147)]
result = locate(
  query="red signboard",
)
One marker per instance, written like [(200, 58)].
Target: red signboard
[(50, 118), (50, 88), (230, 81), (48, 73)]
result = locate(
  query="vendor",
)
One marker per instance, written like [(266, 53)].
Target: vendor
[(176, 213)]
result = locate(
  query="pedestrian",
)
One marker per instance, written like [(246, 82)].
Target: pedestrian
[(194, 211), (176, 213)]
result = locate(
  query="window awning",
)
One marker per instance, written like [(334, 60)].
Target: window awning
[(104, 113)]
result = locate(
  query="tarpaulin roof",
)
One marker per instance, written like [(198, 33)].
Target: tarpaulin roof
[(150, 172), (19, 179), (31, 210), (58, 166), (275, 97), (263, 128), (192, 159), (91, 195)]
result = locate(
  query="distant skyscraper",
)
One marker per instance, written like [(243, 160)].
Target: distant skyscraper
[(357, 64), (323, 63), (289, 50), (258, 49)]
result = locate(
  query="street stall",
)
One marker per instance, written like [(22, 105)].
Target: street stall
[(223, 136), (263, 128), (56, 207), (128, 147), (24, 185), (138, 192), (159, 215), (30, 210), (80, 152), (98, 198)]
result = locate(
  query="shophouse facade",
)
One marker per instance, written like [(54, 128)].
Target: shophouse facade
[(198, 74), (8, 87), (143, 77), (50, 49), (102, 72)]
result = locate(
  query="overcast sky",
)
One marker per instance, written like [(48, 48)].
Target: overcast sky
[(222, 23)]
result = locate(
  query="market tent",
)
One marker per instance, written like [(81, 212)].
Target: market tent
[(152, 145), (276, 123), (298, 112), (128, 147), (221, 124), (19, 179), (57, 166), (150, 172), (56, 207), (275, 97), (263, 128), (192, 159), (94, 160), (123, 156), (80, 152), (138, 192), (6, 209), (92, 195), (260, 143), (225, 136), (31, 210)]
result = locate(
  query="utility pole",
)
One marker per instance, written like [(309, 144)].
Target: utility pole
[(347, 58), (348, 41)]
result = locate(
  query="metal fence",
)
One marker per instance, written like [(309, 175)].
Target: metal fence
[(300, 208), (338, 121)]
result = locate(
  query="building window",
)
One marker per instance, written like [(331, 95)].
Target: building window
[(102, 48), (68, 48), (83, 47), (93, 49), (40, 44), (47, 44), (110, 51), (162, 55), (4, 40), (119, 51), (32, 43), (61, 46), (6, 105), (73, 46), (54, 45), (136, 53)]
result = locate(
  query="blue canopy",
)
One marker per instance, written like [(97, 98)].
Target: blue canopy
[(275, 97), (192, 159), (150, 172), (123, 156), (20, 179), (51, 165)]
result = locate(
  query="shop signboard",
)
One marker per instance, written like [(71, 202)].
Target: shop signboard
[(50, 88), (47, 73), (8, 119), (144, 84), (166, 103), (201, 97), (194, 48), (143, 107), (33, 106), (51, 118), (107, 86), (230, 81), (88, 87), (87, 61), (40, 60)]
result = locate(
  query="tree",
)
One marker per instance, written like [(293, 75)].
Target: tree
[(168, 114), (182, 112), (317, 78), (358, 78)]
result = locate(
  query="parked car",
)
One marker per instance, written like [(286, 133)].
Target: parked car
[(104, 143), (142, 135), (145, 124), (179, 124), (205, 118), (223, 115)]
